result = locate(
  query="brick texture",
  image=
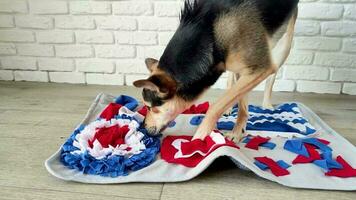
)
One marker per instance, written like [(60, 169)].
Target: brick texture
[(6, 75), (67, 77), (7, 49), (36, 76), (6, 21), (36, 22), (105, 79), (13, 6), (56, 64), (55, 37), (18, 63)]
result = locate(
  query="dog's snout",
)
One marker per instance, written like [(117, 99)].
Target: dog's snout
[(152, 130)]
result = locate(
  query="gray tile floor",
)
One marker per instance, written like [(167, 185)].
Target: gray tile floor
[(36, 118)]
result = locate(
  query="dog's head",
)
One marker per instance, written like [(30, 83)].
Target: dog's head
[(159, 95)]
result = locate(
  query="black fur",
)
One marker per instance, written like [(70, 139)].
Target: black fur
[(156, 98), (274, 12), (152, 97), (192, 55)]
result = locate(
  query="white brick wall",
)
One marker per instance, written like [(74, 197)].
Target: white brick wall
[(31, 76), (55, 37), (18, 63), (105, 42), (13, 6), (6, 21), (48, 7), (36, 22), (67, 77), (56, 64)]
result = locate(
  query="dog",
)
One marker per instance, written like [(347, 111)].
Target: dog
[(215, 36)]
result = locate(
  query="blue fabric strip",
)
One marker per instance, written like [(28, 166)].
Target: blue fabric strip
[(283, 164), (327, 162), (323, 147), (296, 146), (127, 101), (261, 165), (266, 123), (196, 120), (268, 145)]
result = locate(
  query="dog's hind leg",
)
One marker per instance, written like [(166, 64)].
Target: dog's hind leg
[(267, 103), (279, 55)]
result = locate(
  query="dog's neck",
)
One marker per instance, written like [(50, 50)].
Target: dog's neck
[(191, 59)]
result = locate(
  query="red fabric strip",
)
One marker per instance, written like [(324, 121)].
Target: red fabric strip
[(346, 172), (198, 109), (113, 136), (255, 142), (143, 111), (324, 141), (187, 148), (313, 155), (197, 145), (110, 111), (273, 166)]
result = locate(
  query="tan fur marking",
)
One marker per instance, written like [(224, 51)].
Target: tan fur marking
[(230, 80), (234, 63), (151, 64), (167, 112)]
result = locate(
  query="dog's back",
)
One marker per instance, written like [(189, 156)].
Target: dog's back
[(245, 19), (207, 30), (273, 13)]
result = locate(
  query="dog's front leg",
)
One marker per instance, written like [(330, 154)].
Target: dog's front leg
[(239, 91), (208, 124), (240, 127)]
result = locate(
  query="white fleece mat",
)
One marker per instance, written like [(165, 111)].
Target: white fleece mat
[(143, 165)]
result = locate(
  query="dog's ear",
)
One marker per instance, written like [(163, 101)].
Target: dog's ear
[(151, 63), (159, 83), (147, 84)]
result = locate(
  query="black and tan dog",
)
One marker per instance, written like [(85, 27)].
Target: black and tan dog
[(215, 36)]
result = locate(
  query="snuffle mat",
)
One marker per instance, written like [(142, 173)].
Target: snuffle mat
[(289, 145)]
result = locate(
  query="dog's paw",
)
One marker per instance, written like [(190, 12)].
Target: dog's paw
[(228, 112), (203, 130), (235, 136), (267, 105)]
